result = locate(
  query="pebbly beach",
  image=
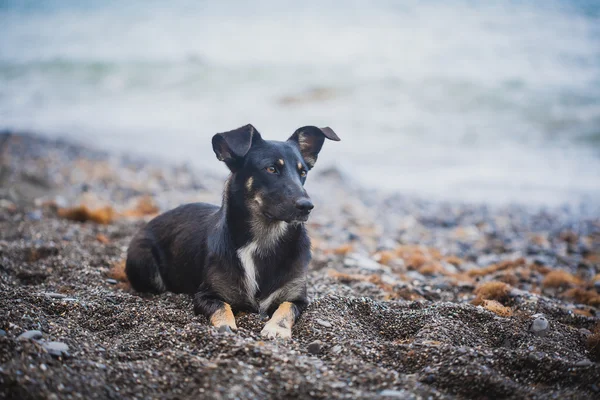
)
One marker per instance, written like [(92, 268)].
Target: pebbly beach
[(410, 298)]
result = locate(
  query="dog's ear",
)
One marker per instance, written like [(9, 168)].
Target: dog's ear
[(309, 140), (232, 146)]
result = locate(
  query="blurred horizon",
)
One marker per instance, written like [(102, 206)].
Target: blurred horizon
[(458, 100)]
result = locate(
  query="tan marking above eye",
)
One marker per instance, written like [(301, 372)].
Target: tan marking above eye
[(280, 162), (300, 166)]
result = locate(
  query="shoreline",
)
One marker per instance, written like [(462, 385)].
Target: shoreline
[(409, 298), (217, 174)]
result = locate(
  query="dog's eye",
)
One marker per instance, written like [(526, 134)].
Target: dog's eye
[(271, 169), (303, 173)]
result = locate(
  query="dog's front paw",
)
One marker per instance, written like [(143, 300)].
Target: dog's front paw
[(275, 331), (223, 319)]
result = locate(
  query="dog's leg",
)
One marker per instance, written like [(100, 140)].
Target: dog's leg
[(223, 317), (280, 324), (218, 312)]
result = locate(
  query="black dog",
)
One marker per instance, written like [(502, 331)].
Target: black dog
[(252, 253)]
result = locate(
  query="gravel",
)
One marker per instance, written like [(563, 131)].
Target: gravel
[(399, 320)]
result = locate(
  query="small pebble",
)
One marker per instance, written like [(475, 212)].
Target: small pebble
[(585, 332), (225, 329), (35, 215), (395, 393), (324, 323), (597, 286), (315, 347), (540, 325), (584, 363), (112, 281), (55, 295), (30, 335), (56, 349), (356, 260), (2, 332)]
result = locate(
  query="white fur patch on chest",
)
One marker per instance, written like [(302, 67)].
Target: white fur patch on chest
[(262, 244)]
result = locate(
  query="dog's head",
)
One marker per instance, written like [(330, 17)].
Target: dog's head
[(271, 174)]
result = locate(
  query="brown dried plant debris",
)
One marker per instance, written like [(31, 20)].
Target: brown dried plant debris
[(432, 268), (492, 290), (102, 238), (145, 206), (103, 215), (391, 291), (342, 250), (385, 257), (497, 308), (559, 278), (107, 214), (501, 266), (582, 296), (117, 271)]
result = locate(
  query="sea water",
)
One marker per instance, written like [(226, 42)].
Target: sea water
[(484, 101)]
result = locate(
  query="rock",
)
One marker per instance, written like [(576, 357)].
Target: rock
[(415, 276), (30, 335), (387, 244), (55, 295), (584, 363), (324, 323), (540, 325), (356, 260), (403, 394), (225, 329), (515, 292), (2, 332), (597, 286), (585, 332), (35, 215), (7, 205), (315, 347), (487, 259), (112, 281), (56, 349)]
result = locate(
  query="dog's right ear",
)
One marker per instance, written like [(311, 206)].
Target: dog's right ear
[(232, 146)]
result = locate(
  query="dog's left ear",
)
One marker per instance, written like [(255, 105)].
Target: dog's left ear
[(310, 140), (232, 146)]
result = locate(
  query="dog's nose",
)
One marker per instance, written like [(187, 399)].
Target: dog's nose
[(304, 204)]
